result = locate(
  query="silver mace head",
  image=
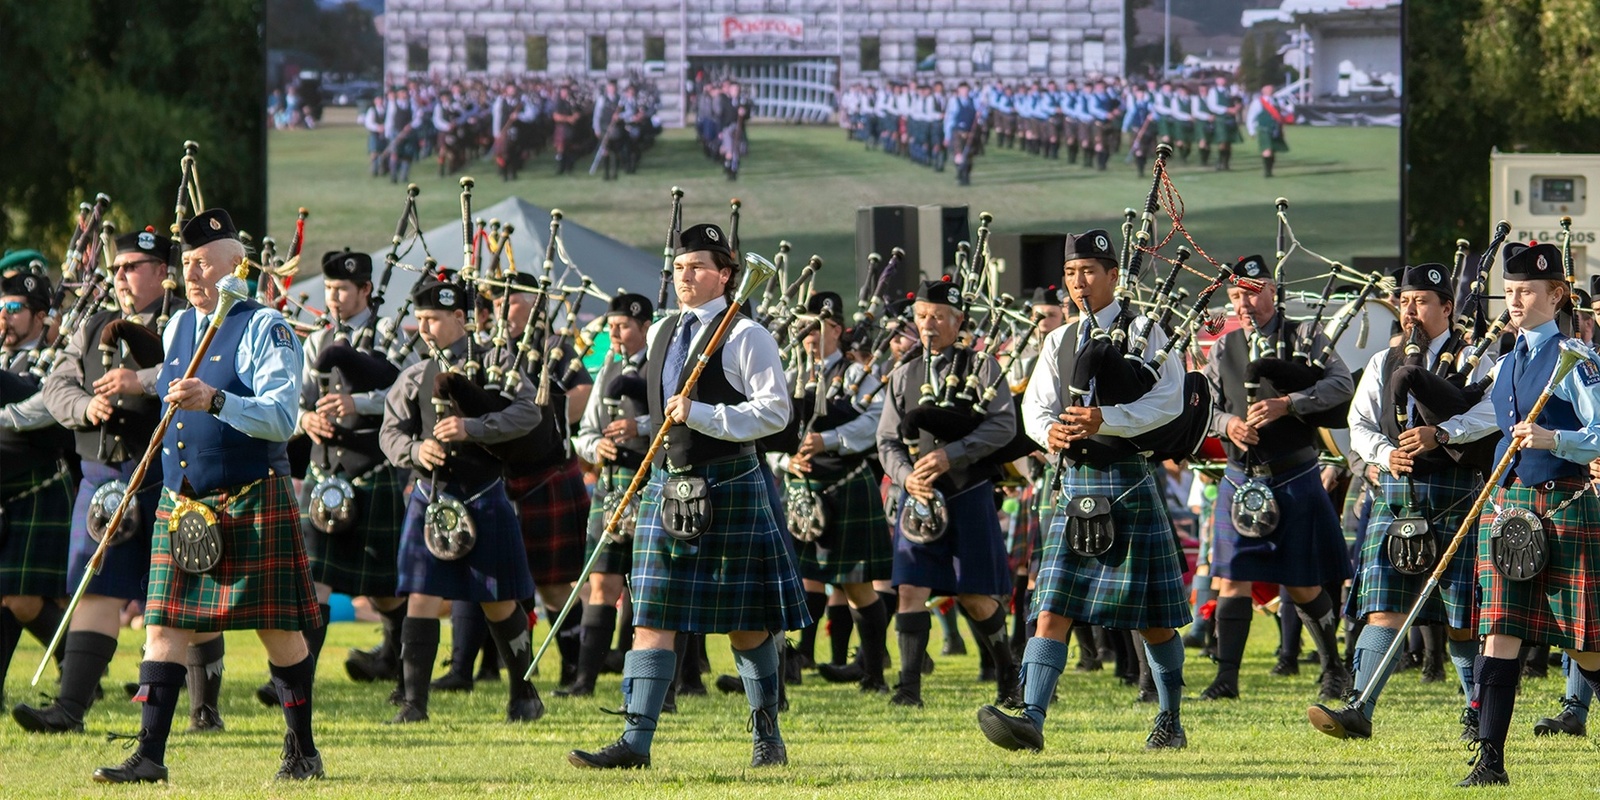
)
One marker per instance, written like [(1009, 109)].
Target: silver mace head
[(231, 289), (757, 272)]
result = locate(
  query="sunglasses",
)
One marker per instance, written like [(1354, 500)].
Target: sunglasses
[(132, 265), (13, 306)]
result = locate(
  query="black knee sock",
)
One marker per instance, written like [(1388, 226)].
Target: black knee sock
[(469, 631), (419, 646), (294, 691), (1322, 625), (513, 642), (159, 683), (567, 641), (914, 627), (985, 650), (816, 605), (840, 626), (315, 637), (991, 635), (10, 633), (44, 624), (1088, 651), (205, 673), (599, 620), (87, 654), (1289, 628), (1233, 631), (1497, 696), (873, 622), (391, 622)]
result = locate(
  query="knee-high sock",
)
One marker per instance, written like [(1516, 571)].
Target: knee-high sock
[(594, 639), (914, 627), (1592, 679), (991, 635), (294, 691), (469, 630), (1087, 649), (816, 605), (1322, 626), (568, 640), (1497, 696), (1374, 642), (1579, 690), (159, 682), (1166, 667), (873, 622), (840, 626), (1042, 662), (315, 637), (10, 633), (512, 641), (1233, 631), (205, 673), (985, 647), (419, 646), (391, 622), (625, 624), (646, 674), (1289, 627), (758, 668), (1464, 654), (44, 624), (87, 654)]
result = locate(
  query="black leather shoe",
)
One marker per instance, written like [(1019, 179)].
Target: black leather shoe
[(1167, 734), (1012, 733), (1220, 690), (1340, 723), (526, 709), (1087, 664), (409, 713), (137, 769), (906, 697), (953, 647), (874, 684), (1485, 773), (205, 719), (769, 753), (1336, 681), (451, 682), (1469, 724), (848, 673), (577, 689), (298, 766), (616, 755), (397, 696), (730, 684), (1287, 666), (267, 695), (49, 719), (1008, 689), (1566, 722), (367, 666)]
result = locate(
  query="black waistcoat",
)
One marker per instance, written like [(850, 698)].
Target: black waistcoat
[(469, 465), (1433, 460), (1284, 436), (133, 417), (685, 448)]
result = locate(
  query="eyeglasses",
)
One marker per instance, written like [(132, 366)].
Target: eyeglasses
[(13, 306), (131, 265)]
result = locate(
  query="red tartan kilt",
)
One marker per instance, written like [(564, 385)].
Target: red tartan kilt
[(553, 506), (263, 581), (1561, 605)]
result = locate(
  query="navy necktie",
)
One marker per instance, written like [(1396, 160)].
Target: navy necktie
[(672, 367), (1519, 365)]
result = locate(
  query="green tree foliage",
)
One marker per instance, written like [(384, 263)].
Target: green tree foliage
[(99, 96), (341, 38)]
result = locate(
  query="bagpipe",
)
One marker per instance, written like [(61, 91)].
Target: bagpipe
[(88, 267)]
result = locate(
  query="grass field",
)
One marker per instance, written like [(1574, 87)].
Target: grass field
[(804, 184), (841, 744)]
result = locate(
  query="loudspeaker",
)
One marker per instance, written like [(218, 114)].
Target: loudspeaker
[(928, 234), (1031, 260)]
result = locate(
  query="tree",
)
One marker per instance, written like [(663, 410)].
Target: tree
[(99, 99)]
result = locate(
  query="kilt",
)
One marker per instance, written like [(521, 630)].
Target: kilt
[(738, 576), (855, 548), (497, 567), (1444, 498), (1561, 605), (264, 579), (970, 558), (617, 558), (361, 561), (553, 507), (34, 534), (1135, 585), (1225, 130), (125, 573), (1269, 134), (1307, 549), (1179, 130)]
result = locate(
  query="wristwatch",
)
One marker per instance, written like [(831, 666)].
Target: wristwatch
[(218, 398), (1441, 436)]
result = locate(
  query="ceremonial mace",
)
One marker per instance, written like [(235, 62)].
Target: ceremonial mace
[(757, 271), (231, 289), (1571, 354)]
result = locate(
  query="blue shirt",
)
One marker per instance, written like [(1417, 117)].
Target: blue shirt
[(268, 361), (1581, 388)]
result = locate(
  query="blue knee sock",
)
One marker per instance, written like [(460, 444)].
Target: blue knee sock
[(1463, 655), (1583, 692), (758, 668), (1166, 666), (1042, 662), (646, 674), (1370, 647)]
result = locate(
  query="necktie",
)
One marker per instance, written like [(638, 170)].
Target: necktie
[(677, 356), (1519, 365)]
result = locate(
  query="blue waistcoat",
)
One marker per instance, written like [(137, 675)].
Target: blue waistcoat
[(1534, 466)]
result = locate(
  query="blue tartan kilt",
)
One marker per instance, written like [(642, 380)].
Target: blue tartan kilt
[(125, 572), (1444, 498), (780, 513), (970, 558), (855, 548), (1306, 549), (617, 559), (738, 576), (1135, 585), (497, 567)]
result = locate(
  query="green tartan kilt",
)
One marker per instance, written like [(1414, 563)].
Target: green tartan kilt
[(1179, 130), (359, 562), (737, 576), (616, 559), (1225, 130), (1269, 134), (1560, 607), (35, 533), (856, 547), (1135, 585), (264, 579), (1444, 498)]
